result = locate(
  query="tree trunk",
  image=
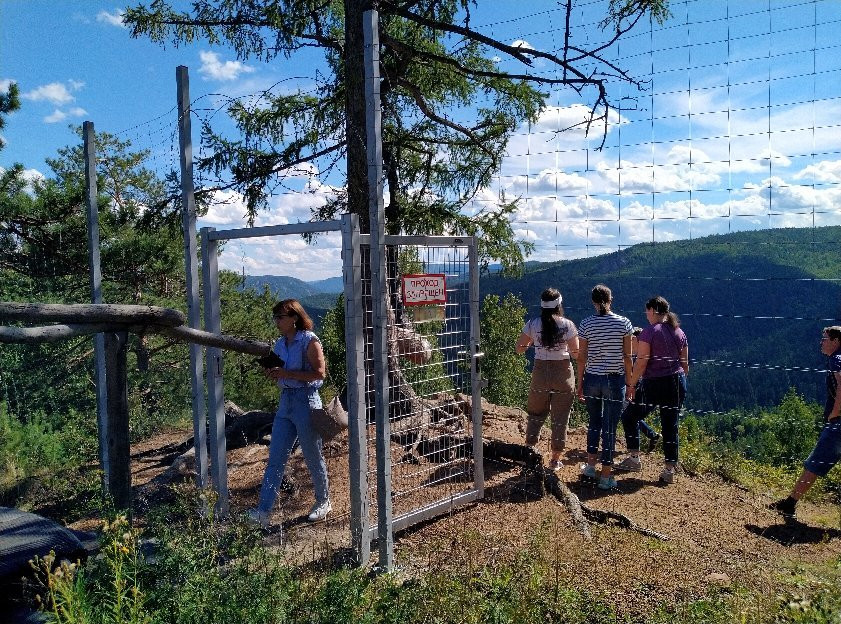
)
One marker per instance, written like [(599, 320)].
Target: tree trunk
[(355, 122)]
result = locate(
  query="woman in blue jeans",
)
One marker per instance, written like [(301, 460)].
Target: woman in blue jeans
[(299, 378), (662, 365), (604, 362)]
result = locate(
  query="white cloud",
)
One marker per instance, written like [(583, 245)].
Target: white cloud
[(55, 92), (32, 176), (549, 181), (60, 115), (56, 116), (823, 171), (114, 18), (570, 122), (522, 43), (212, 68), (5, 83)]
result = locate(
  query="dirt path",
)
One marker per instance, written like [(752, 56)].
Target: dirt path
[(720, 534)]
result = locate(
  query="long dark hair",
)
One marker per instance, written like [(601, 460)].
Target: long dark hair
[(602, 297), (661, 307), (550, 333)]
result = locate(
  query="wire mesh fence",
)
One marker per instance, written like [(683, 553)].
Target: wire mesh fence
[(431, 381)]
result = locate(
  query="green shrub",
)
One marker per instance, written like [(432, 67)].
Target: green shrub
[(506, 371), (34, 447)]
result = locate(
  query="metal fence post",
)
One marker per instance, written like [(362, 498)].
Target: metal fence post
[(213, 367), (188, 224), (476, 382), (355, 361), (373, 127), (92, 209)]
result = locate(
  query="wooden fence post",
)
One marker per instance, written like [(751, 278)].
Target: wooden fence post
[(119, 478)]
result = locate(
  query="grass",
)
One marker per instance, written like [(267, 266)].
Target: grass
[(201, 570)]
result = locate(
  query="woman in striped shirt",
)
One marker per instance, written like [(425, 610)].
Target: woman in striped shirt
[(604, 365)]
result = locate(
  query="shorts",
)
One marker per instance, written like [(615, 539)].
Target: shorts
[(827, 451)]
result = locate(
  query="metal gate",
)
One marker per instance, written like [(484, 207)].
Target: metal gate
[(433, 460), (428, 459)]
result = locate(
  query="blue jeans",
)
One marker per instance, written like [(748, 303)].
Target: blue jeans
[(604, 396), (293, 420), (667, 393), (827, 450), (646, 430)]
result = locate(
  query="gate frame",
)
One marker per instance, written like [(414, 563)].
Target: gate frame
[(361, 531), (444, 505)]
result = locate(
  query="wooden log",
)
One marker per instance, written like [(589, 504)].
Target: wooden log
[(56, 333), (77, 313), (208, 339)]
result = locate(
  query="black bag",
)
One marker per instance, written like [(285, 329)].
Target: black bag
[(272, 360), (330, 420)]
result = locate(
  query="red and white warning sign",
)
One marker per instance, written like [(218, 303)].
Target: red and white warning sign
[(426, 289)]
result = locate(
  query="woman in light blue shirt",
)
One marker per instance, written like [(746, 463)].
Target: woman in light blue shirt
[(299, 378)]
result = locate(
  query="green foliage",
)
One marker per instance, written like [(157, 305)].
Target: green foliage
[(247, 314), (333, 342), (9, 102), (27, 448), (106, 591), (505, 370), (205, 571), (780, 436), (790, 431)]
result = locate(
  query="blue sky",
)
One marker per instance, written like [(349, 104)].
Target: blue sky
[(739, 130)]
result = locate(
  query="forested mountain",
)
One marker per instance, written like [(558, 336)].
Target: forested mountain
[(284, 287), (317, 296), (752, 305)]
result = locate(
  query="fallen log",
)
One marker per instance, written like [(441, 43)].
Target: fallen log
[(90, 313), (241, 429)]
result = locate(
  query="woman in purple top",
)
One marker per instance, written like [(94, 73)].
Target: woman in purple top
[(662, 365)]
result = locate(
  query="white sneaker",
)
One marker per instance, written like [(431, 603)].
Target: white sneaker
[(258, 517), (668, 475), (319, 511), (588, 471), (629, 464)]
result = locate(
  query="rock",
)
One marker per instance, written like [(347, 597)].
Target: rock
[(719, 578)]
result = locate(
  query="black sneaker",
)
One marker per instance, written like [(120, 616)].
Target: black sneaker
[(784, 507), (652, 442)]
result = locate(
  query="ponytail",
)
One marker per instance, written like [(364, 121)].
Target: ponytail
[(661, 307), (602, 297), (550, 333)]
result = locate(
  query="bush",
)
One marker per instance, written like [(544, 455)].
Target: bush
[(506, 371)]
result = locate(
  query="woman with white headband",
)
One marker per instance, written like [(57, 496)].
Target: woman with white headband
[(552, 390)]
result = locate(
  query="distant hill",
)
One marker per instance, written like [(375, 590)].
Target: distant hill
[(317, 297), (285, 287), (748, 298)]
